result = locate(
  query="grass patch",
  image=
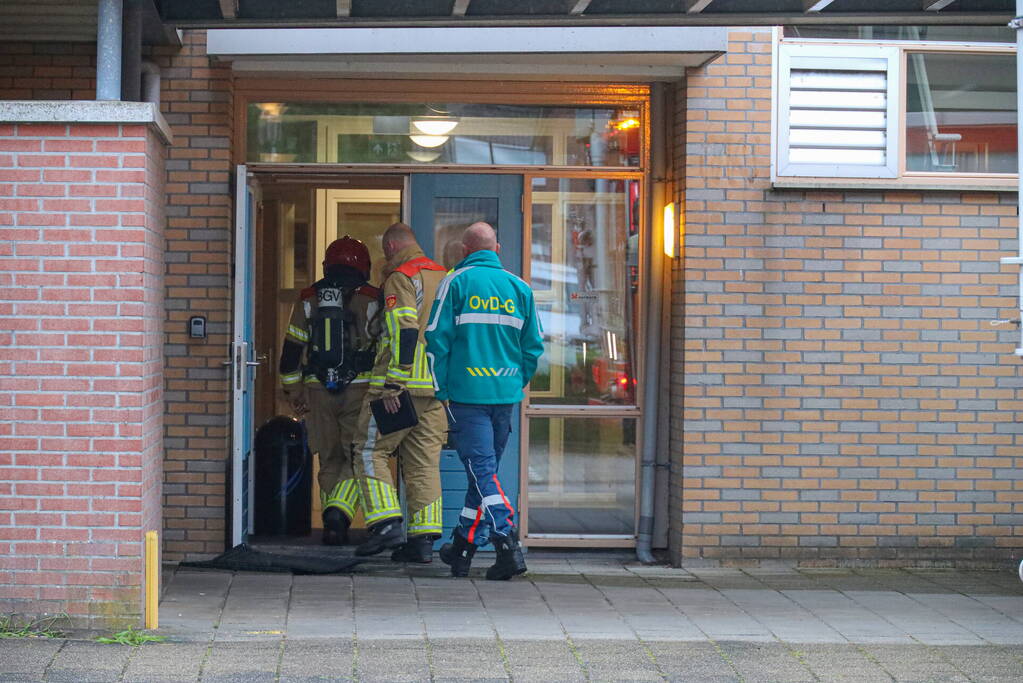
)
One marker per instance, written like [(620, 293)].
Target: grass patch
[(130, 637), (11, 627)]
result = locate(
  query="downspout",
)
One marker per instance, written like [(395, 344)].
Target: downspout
[(150, 82), (108, 50), (653, 286), (1017, 24)]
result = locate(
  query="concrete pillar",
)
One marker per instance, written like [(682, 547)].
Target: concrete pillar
[(108, 50)]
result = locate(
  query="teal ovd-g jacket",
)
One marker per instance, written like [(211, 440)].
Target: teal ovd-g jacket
[(484, 336)]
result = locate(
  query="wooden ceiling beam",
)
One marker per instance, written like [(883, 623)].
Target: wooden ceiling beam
[(580, 6), (229, 9), (459, 8), (344, 9)]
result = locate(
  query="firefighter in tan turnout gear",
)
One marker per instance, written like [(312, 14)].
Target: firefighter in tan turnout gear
[(325, 368), (410, 283)]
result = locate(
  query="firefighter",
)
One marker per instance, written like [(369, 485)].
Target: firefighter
[(410, 282), (325, 368), (484, 344)]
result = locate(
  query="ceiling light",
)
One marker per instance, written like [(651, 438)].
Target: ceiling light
[(429, 141), (434, 125), (271, 109), (423, 155)]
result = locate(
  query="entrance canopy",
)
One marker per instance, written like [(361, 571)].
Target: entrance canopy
[(278, 13)]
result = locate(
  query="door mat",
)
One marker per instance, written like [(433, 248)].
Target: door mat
[(242, 558)]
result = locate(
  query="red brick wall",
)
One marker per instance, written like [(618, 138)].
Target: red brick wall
[(81, 267), (840, 394), (197, 103)]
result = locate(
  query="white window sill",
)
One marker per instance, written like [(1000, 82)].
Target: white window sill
[(944, 184)]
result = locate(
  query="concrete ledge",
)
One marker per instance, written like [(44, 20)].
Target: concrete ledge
[(85, 111)]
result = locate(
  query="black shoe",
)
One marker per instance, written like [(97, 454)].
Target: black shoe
[(385, 535), (335, 527), (417, 549), (509, 558), (458, 555)]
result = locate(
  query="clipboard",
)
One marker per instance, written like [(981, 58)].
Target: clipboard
[(405, 418)]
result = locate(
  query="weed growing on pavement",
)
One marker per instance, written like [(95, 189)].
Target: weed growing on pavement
[(10, 627), (130, 637)]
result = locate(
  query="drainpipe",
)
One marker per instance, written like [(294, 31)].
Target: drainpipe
[(653, 286), (150, 82), (108, 50), (131, 51), (1017, 24)]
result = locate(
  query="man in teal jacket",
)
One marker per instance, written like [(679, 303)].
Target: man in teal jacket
[(483, 342)]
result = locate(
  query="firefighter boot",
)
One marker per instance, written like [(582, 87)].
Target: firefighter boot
[(458, 555), (335, 527), (417, 549), (385, 535), (509, 558)]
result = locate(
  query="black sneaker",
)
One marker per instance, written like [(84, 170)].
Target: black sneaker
[(510, 561), (417, 549), (458, 555), (335, 527), (385, 535)]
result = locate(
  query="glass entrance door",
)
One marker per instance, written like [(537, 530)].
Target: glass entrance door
[(442, 206)]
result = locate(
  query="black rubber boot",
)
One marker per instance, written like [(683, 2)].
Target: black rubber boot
[(335, 527), (509, 558), (458, 555), (417, 549), (385, 535)]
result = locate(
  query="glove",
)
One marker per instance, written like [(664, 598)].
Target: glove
[(390, 396), (298, 402)]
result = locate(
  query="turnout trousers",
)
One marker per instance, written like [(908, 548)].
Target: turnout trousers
[(418, 449), (331, 424), (480, 433)]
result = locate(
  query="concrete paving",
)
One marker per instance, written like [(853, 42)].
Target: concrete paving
[(572, 618)]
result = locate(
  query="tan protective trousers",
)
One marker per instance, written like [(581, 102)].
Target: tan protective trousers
[(418, 450), (331, 423)]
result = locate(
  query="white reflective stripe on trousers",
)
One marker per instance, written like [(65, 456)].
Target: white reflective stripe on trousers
[(490, 319)]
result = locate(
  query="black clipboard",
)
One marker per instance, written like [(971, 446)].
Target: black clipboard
[(405, 418)]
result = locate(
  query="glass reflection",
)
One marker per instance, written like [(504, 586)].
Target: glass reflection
[(582, 474), (584, 273), (471, 134)]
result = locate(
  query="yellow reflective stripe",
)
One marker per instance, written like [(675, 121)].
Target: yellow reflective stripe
[(311, 379), (470, 371), (427, 520), (326, 336), (298, 333), (292, 378), (405, 312)]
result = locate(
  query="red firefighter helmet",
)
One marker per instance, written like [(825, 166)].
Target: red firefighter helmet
[(350, 252)]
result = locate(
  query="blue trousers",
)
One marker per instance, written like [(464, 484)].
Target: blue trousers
[(480, 433)]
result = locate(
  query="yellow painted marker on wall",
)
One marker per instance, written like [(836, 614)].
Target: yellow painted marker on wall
[(152, 580)]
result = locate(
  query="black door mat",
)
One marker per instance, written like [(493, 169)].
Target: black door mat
[(243, 558)]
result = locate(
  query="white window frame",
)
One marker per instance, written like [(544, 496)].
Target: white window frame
[(782, 175), (846, 58)]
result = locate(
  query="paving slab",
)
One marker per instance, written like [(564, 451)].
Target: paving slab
[(615, 660), (385, 660), (233, 662), (840, 663), (89, 661), (27, 658), (318, 659), (543, 660), (769, 662), (467, 659), (700, 661), (986, 664), (166, 662), (913, 663)]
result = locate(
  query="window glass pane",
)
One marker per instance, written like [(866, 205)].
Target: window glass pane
[(584, 274), (961, 113), (582, 475), (477, 134), (961, 34), (452, 215)]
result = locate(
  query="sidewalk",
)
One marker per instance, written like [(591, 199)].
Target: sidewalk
[(573, 618)]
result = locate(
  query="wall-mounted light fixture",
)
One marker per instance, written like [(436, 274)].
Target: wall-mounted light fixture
[(670, 230)]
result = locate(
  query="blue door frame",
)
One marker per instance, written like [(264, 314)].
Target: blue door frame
[(502, 197)]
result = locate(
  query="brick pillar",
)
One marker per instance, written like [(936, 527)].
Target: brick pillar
[(81, 355)]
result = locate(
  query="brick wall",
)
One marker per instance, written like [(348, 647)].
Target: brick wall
[(196, 102), (81, 269), (839, 393)]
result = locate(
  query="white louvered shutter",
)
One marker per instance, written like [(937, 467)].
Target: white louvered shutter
[(837, 111)]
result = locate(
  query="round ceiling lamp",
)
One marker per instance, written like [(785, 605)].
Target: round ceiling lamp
[(429, 141), (423, 156), (434, 125)]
